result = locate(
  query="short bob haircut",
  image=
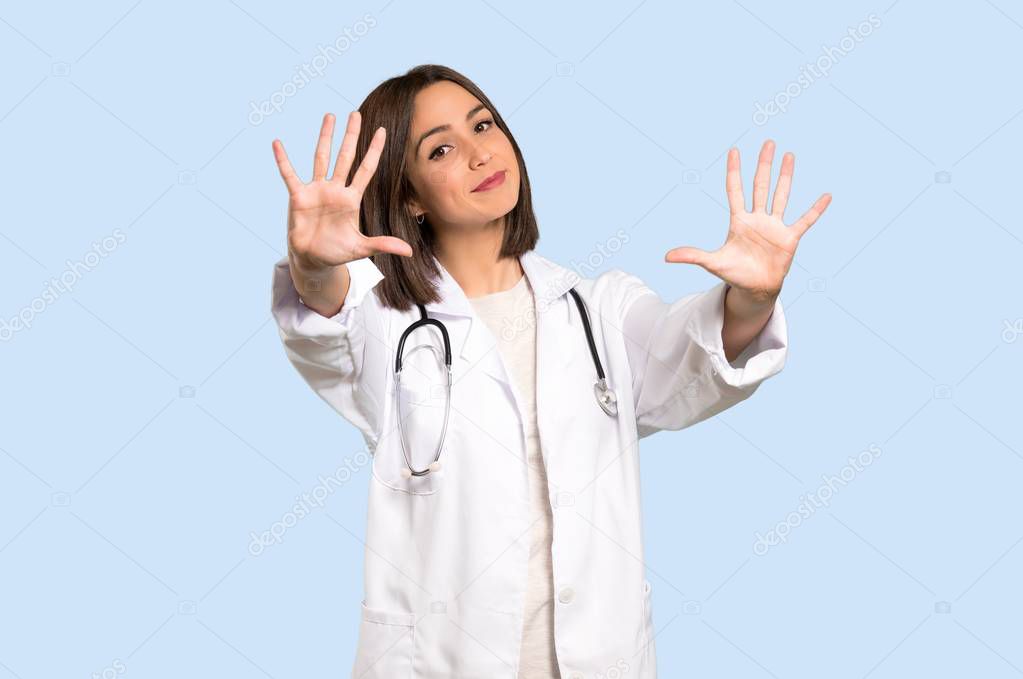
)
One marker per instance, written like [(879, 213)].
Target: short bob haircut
[(384, 211)]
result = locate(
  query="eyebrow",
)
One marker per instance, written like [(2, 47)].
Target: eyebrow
[(442, 128)]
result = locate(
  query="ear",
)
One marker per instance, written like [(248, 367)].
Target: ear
[(414, 208)]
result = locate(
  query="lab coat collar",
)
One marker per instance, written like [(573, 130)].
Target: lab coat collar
[(549, 282)]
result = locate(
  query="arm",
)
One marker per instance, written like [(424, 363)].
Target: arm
[(708, 351), (330, 353), (680, 372), (333, 333), (321, 289), (745, 317)]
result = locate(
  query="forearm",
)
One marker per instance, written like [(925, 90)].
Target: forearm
[(322, 289), (745, 317)]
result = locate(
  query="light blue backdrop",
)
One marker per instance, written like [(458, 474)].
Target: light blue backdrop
[(151, 421)]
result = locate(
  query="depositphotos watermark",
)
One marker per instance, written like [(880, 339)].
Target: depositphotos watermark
[(616, 671), (306, 502), (116, 669), (305, 73), (1012, 330), (810, 503), (55, 287), (812, 72), (601, 253)]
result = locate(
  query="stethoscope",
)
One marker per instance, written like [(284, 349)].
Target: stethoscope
[(606, 398)]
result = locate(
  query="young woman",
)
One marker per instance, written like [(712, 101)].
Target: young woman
[(504, 534)]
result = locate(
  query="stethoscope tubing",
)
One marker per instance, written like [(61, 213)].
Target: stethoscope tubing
[(606, 398), (589, 333)]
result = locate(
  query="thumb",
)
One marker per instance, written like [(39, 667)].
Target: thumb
[(687, 255), (390, 245)]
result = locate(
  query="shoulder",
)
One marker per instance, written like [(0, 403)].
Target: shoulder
[(614, 291), (611, 292)]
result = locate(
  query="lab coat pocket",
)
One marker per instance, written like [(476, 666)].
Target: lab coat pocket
[(385, 644), (420, 400)]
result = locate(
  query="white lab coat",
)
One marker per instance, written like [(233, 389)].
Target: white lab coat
[(445, 559)]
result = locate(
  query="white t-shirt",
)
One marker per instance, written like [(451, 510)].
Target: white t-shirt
[(510, 315)]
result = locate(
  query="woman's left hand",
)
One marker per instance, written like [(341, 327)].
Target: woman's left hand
[(759, 248)]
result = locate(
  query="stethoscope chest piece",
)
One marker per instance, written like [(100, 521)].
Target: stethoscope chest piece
[(606, 398)]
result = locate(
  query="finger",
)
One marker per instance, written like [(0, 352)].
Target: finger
[(346, 154), (369, 163), (688, 255), (322, 158), (806, 221), (388, 244), (291, 180), (762, 179), (781, 191), (733, 183)]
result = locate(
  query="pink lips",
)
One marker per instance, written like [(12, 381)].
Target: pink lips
[(490, 182)]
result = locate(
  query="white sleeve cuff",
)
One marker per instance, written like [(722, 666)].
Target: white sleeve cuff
[(298, 320), (762, 358)]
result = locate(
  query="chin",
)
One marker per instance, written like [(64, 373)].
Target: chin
[(507, 205)]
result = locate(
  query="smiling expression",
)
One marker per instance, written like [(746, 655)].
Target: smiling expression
[(454, 147)]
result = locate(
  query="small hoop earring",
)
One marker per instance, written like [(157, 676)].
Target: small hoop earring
[(420, 218)]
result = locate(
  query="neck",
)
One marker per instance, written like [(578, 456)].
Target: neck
[(471, 257)]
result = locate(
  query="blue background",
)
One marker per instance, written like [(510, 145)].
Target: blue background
[(151, 420)]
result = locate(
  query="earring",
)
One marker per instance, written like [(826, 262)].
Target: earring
[(420, 218)]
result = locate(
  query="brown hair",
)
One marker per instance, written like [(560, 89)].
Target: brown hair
[(411, 280)]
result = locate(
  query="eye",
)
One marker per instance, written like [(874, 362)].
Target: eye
[(434, 153), (488, 122)]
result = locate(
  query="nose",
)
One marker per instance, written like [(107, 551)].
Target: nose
[(480, 156)]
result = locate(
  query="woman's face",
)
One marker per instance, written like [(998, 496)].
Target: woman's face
[(454, 147)]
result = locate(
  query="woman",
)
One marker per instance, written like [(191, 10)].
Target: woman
[(514, 549)]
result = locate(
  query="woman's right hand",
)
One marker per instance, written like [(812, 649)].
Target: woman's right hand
[(323, 215)]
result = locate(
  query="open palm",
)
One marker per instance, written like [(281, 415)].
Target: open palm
[(323, 215), (759, 248)]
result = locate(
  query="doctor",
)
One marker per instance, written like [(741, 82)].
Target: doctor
[(504, 535)]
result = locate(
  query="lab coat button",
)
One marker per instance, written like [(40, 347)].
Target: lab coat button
[(576, 675), (566, 595), (565, 499)]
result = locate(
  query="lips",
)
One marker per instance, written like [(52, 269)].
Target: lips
[(491, 181)]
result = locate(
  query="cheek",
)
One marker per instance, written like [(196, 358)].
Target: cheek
[(439, 186), (506, 149), (508, 152)]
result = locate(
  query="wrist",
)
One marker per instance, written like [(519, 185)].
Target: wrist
[(747, 304), (307, 266)]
